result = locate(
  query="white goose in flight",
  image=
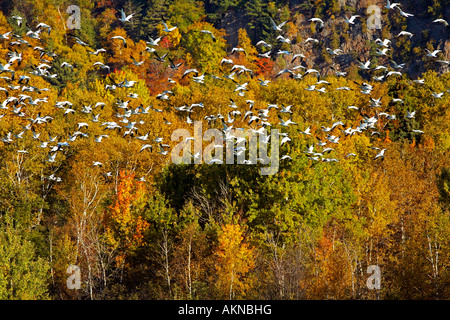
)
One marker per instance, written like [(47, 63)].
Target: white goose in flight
[(307, 131), (45, 26), (166, 28), (99, 138), (438, 95), (382, 52), (277, 27), (122, 39), (311, 40), (237, 49), (380, 154), (5, 35), (287, 122), (404, 33), (364, 65), (390, 5), (5, 68), (282, 39), (146, 146), (334, 52), (80, 42), (124, 17), (405, 14), (319, 22), (52, 158), (264, 44), (351, 20), (384, 43), (445, 23), (432, 54), (210, 34), (18, 19), (410, 115), (97, 51)]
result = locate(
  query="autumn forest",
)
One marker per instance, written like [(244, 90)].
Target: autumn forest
[(92, 205)]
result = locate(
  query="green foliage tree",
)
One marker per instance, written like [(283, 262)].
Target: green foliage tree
[(156, 10), (184, 13), (24, 275)]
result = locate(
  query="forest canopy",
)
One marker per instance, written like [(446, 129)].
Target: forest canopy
[(87, 118)]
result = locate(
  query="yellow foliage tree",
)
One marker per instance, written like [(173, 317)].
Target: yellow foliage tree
[(235, 261), (251, 54)]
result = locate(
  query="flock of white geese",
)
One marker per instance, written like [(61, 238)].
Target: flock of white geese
[(16, 101)]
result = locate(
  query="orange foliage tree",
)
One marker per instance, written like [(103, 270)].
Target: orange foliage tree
[(125, 227), (264, 66)]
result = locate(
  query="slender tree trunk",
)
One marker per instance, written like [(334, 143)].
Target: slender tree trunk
[(189, 267), (51, 256), (231, 283), (165, 255)]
